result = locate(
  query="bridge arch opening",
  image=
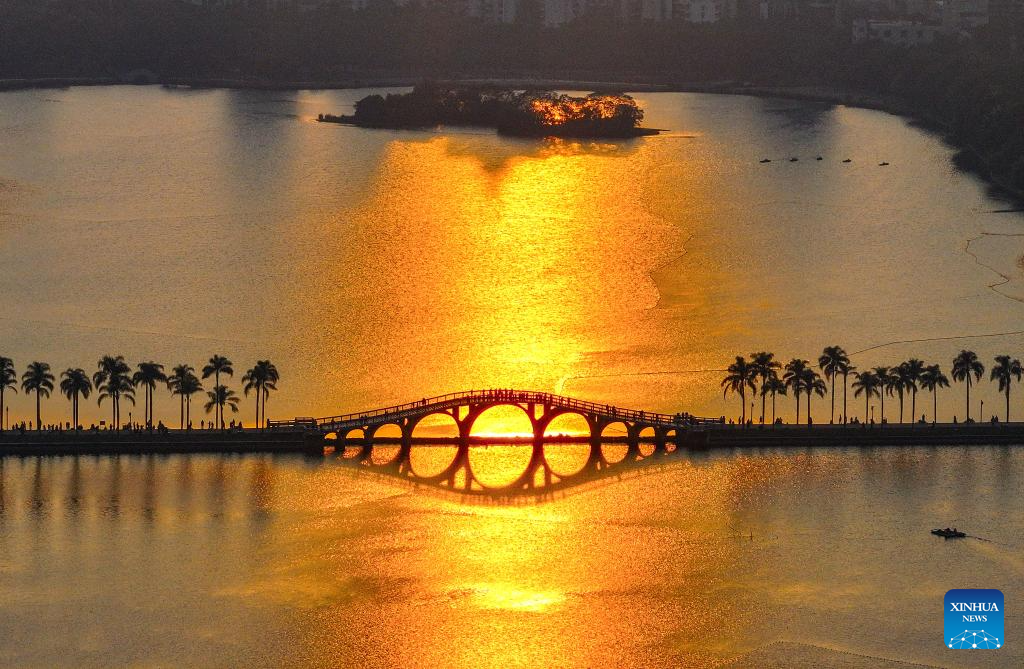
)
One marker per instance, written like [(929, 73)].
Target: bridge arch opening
[(434, 445), (497, 465), (647, 439), (613, 442), (670, 440), (564, 458), (503, 420), (386, 444), (351, 441)]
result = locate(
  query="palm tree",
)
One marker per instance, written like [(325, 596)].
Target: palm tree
[(812, 384), (832, 361), (1005, 370), (868, 384), (216, 366), (932, 379), (794, 378), (74, 383), (764, 366), (262, 378), (220, 397), (882, 373), (898, 382), (912, 370), (38, 379), (148, 375), (846, 369), (774, 385), (966, 365), (8, 379), (185, 384), (112, 381), (175, 381), (740, 377)]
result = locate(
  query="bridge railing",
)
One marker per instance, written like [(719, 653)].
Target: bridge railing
[(491, 395)]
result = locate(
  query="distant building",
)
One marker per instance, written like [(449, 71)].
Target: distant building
[(900, 33)]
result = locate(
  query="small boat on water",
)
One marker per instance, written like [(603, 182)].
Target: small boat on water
[(819, 158), (766, 160), (793, 160), (949, 533), (847, 160), (882, 164)]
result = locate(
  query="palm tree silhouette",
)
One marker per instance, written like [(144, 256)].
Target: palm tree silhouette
[(764, 366), (74, 383), (966, 365), (263, 379), (813, 384), (1004, 371), (8, 379), (184, 383), (912, 370), (38, 379), (112, 381), (177, 382), (846, 369), (897, 382), (216, 366), (740, 377), (220, 397), (932, 379), (794, 378), (148, 375), (774, 385), (832, 361), (868, 384), (882, 373)]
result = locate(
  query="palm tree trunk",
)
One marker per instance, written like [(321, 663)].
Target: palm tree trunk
[(845, 384), (1007, 401), (881, 398), (743, 409), (901, 407), (773, 407), (808, 407), (913, 405), (763, 400), (797, 407), (935, 404), (217, 408), (833, 393), (968, 396), (39, 421), (2, 423), (867, 398)]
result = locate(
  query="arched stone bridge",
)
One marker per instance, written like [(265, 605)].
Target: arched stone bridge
[(665, 431)]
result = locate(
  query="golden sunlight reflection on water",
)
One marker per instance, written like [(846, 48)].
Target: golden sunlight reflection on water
[(285, 561)]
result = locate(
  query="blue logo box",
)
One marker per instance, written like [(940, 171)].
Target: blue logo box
[(974, 619)]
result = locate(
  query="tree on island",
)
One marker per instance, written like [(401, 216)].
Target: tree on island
[(74, 383), (932, 379), (216, 366), (220, 397), (38, 379), (833, 360), (148, 375), (966, 365), (764, 366), (8, 380), (113, 382), (882, 372), (1005, 371), (740, 376), (868, 384)]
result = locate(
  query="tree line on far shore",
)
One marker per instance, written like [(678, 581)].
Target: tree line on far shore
[(116, 381), (761, 376)]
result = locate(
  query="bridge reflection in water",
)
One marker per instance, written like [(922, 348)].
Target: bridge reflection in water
[(640, 434)]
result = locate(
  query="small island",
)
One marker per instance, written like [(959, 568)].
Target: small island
[(521, 113)]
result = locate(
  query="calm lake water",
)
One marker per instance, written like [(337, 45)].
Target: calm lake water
[(749, 559), (376, 267)]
